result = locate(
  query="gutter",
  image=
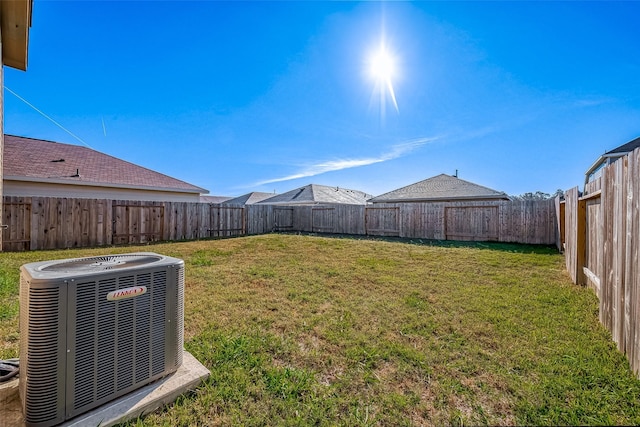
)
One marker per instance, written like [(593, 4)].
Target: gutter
[(195, 190), (601, 160), (497, 197)]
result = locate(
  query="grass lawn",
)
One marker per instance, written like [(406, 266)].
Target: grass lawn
[(304, 330)]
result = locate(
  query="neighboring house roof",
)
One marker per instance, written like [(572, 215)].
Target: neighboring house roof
[(214, 199), (316, 194), (609, 157), (248, 199), (36, 160), (440, 188), (15, 20), (626, 148)]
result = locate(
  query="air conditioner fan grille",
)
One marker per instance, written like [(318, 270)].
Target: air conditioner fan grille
[(101, 263)]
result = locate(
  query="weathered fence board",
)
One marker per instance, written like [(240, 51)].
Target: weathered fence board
[(632, 272), (571, 233), (593, 243), (559, 221)]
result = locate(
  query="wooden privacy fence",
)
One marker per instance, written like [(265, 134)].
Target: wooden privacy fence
[(57, 223), (517, 221), (602, 248), (50, 223)]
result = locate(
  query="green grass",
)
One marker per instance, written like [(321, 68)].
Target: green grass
[(304, 330)]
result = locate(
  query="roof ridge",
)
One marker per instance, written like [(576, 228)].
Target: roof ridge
[(409, 185), (441, 186)]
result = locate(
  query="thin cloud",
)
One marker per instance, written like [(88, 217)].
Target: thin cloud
[(396, 151), (586, 103)]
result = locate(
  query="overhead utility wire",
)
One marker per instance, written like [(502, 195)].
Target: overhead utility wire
[(47, 117)]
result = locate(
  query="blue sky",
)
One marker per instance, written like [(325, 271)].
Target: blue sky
[(270, 96)]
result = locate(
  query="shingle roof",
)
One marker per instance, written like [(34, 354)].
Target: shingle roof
[(214, 199), (38, 160), (626, 148), (316, 194), (440, 187), (248, 199)]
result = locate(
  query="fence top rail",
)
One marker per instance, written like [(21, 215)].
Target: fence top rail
[(472, 207), (594, 195), (382, 207)]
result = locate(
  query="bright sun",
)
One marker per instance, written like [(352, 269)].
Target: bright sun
[(382, 69), (382, 65)]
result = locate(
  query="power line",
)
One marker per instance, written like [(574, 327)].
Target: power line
[(47, 117)]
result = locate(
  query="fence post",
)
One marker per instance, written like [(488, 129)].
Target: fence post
[(581, 251), (559, 206)]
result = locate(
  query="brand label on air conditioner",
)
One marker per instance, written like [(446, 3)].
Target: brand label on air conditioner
[(126, 293)]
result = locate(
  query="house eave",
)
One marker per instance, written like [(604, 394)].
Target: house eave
[(15, 21), (196, 190), (601, 160), (497, 197)]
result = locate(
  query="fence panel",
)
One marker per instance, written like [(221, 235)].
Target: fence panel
[(259, 219), (137, 222), (471, 223), (593, 243), (382, 221), (227, 221), (69, 223), (422, 220), (16, 217), (323, 219), (283, 219), (302, 218), (593, 186), (349, 219)]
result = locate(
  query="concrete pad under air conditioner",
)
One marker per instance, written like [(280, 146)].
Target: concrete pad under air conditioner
[(139, 402)]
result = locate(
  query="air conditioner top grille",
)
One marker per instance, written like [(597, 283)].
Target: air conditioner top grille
[(84, 267), (100, 263)]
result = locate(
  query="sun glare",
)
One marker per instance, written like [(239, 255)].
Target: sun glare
[(382, 69), (381, 65)]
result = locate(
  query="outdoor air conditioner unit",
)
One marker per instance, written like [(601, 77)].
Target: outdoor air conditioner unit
[(94, 329)]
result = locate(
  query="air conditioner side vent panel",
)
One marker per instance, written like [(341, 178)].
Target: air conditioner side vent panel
[(41, 315)]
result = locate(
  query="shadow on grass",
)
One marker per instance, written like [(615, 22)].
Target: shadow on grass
[(494, 246)]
